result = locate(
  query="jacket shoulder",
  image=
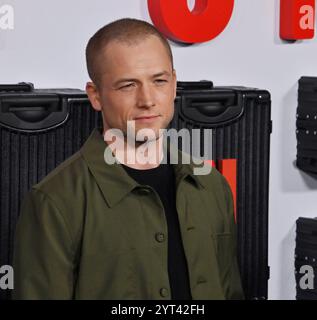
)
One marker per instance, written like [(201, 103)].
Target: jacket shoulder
[(215, 181), (218, 185), (57, 180), (66, 189)]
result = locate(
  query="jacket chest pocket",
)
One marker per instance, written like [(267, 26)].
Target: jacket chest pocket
[(223, 244)]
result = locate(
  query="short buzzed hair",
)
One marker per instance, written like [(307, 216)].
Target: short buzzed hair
[(126, 30)]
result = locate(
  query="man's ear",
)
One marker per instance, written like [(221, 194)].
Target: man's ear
[(93, 95)]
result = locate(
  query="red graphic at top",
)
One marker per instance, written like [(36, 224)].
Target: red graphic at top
[(297, 19), (205, 22)]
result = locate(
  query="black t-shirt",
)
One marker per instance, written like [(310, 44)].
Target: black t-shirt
[(159, 178)]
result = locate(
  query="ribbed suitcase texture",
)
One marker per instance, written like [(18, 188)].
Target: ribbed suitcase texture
[(306, 125), (306, 255), (238, 116), (241, 121)]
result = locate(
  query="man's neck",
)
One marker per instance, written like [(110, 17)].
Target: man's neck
[(137, 154)]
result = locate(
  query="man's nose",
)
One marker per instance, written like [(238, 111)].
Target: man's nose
[(145, 96)]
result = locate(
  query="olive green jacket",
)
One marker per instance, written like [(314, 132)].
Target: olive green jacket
[(89, 231)]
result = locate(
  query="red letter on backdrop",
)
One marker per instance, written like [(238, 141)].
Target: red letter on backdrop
[(205, 22), (297, 19)]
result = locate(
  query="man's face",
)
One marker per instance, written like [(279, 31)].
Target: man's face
[(137, 83)]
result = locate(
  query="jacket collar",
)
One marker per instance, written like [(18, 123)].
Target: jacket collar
[(114, 182)]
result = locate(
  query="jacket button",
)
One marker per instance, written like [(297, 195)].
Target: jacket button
[(163, 292), (160, 237), (144, 191)]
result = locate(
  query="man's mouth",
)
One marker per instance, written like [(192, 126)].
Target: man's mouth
[(146, 119)]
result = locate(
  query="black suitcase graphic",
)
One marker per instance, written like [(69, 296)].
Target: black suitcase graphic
[(41, 128), (306, 125), (306, 255), (240, 119)]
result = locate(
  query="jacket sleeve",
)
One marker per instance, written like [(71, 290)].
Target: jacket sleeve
[(233, 290), (43, 254)]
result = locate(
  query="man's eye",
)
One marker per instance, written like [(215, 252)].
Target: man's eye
[(126, 86), (160, 81)]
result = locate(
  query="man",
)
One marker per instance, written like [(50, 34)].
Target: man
[(140, 230)]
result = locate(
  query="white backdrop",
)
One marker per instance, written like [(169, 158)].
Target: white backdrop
[(47, 46)]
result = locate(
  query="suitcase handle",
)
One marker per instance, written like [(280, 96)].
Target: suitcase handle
[(214, 108), (32, 112), (20, 87)]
